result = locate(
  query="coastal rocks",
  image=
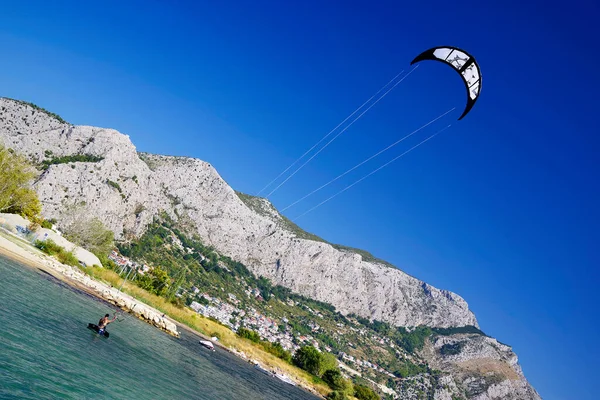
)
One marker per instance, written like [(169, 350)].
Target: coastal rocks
[(141, 310), (126, 303)]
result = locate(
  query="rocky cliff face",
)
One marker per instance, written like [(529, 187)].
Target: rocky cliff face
[(126, 189), (479, 367)]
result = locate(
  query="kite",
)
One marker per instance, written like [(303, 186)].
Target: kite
[(462, 62)]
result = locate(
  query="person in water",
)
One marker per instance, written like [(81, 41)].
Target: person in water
[(103, 322)]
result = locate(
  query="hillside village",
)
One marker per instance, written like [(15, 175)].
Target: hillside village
[(229, 310)]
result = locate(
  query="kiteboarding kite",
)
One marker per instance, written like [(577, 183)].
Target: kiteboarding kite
[(462, 62)]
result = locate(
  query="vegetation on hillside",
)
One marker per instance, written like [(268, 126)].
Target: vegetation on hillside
[(114, 185), (38, 108), (16, 194), (458, 329), (182, 262), (183, 268), (69, 159), (274, 348), (147, 158), (451, 348)]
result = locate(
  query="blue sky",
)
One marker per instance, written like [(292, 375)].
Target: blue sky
[(501, 208)]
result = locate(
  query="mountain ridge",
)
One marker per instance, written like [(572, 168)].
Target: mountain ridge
[(125, 189), (251, 200)]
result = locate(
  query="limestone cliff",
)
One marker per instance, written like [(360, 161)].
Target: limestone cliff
[(479, 367), (125, 189)]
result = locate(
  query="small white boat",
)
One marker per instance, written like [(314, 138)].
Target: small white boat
[(207, 344)]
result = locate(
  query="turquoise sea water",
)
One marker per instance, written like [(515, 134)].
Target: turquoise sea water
[(47, 352)]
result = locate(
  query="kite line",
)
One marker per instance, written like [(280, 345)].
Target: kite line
[(342, 131), (371, 173), (331, 131), (369, 159), (334, 129)]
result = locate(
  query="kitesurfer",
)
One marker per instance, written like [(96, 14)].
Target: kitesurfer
[(103, 322)]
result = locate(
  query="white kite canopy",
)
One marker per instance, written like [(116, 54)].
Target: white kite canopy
[(463, 63)]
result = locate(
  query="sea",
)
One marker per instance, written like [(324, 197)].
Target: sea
[(47, 351)]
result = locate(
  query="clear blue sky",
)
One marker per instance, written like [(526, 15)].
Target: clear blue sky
[(501, 208)]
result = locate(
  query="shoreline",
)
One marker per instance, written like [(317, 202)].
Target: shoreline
[(17, 249)]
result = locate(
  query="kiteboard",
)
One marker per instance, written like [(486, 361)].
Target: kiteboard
[(95, 328)]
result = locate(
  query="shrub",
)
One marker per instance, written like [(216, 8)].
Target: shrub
[(365, 393), (48, 246), (114, 184), (17, 196), (203, 300), (106, 262), (460, 329), (451, 348), (408, 368), (249, 334), (337, 395), (335, 380), (277, 350), (329, 361), (51, 248), (67, 257), (139, 208), (178, 302), (68, 159)]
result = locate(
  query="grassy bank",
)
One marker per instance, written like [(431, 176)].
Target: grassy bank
[(207, 327)]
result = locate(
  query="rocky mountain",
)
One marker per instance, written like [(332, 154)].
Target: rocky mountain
[(479, 367), (125, 189)]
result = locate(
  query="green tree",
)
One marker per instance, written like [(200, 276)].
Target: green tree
[(335, 380), (16, 194), (362, 392), (277, 350), (91, 234), (265, 287), (309, 359), (337, 395), (249, 334), (451, 348), (159, 284), (329, 361)]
